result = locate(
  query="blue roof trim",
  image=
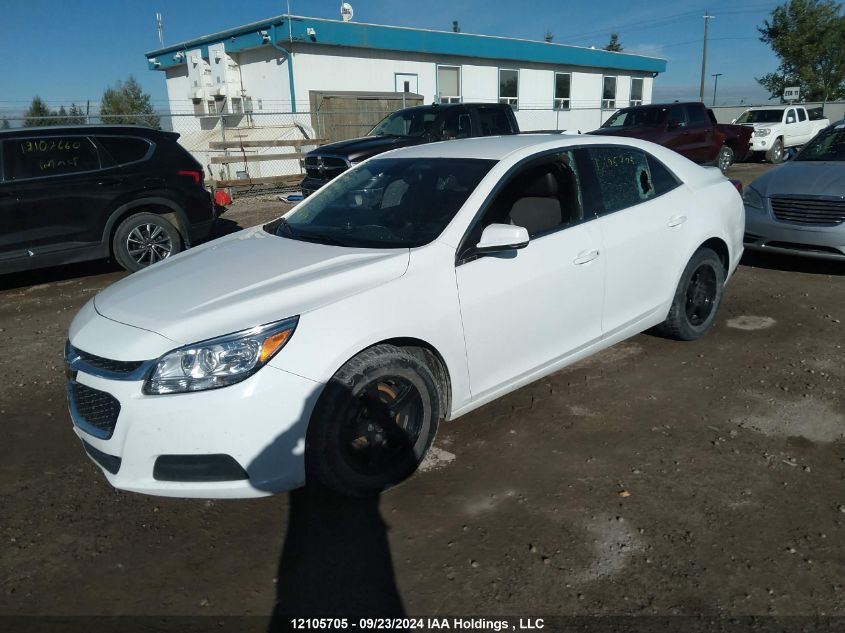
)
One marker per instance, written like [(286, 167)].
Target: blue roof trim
[(377, 36)]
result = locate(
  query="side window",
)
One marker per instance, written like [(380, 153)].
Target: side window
[(49, 156), (493, 122), (790, 116), (124, 149), (623, 176), (677, 117), (542, 196), (696, 116), (663, 179), (802, 114)]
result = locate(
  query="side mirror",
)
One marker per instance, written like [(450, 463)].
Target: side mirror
[(733, 121), (497, 238)]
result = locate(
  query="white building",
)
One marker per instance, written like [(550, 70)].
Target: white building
[(275, 65)]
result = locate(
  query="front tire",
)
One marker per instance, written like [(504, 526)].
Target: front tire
[(374, 422), (696, 299), (775, 153), (725, 158), (144, 239)]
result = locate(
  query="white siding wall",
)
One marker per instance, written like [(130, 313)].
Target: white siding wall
[(264, 73)]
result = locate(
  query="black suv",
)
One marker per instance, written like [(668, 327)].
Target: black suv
[(411, 126), (70, 194)]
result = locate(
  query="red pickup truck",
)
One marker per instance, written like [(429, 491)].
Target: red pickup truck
[(688, 128)]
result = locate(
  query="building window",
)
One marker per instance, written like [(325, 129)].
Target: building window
[(563, 83), (636, 92), (449, 84), (509, 87), (608, 95)]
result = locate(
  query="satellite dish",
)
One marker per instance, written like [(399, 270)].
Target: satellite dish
[(346, 11)]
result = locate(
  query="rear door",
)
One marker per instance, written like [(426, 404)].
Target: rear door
[(62, 190), (676, 135), (642, 226), (699, 134)]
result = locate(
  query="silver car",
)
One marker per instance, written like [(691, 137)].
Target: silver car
[(799, 207)]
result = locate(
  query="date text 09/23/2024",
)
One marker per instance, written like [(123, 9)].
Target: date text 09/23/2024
[(421, 624)]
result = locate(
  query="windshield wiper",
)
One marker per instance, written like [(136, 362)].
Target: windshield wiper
[(283, 223), (320, 238)]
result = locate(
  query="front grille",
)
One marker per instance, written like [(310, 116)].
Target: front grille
[(324, 167), (107, 364), (95, 408), (810, 211)]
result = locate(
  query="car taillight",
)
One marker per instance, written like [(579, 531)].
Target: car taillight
[(737, 184), (196, 175)]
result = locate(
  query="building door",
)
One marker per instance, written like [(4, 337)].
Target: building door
[(406, 82)]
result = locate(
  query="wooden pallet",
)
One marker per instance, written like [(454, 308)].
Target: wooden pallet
[(293, 179), (297, 142), (254, 158)]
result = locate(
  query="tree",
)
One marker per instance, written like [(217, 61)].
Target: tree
[(613, 44), (61, 116), (4, 125), (38, 113), (808, 37), (126, 103), (75, 115)]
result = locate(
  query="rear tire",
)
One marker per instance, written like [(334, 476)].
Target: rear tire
[(374, 422), (144, 239), (696, 299)]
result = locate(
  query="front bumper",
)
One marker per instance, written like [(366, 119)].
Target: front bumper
[(257, 427), (762, 143), (764, 233)]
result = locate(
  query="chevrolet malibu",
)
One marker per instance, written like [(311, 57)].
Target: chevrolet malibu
[(329, 344)]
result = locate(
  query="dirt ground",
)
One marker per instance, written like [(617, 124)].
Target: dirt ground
[(656, 478)]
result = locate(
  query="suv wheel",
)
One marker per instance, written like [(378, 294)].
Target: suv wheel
[(144, 239), (725, 159), (775, 153)]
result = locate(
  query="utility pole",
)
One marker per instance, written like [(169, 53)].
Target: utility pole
[(707, 18), (715, 85)]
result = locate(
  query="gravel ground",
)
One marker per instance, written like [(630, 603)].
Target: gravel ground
[(656, 478)]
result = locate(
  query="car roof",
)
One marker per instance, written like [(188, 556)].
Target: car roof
[(50, 130), (499, 147)]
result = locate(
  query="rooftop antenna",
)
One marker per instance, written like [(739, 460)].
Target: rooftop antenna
[(160, 28), (346, 11)]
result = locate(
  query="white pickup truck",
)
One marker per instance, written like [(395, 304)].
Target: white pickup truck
[(779, 127)]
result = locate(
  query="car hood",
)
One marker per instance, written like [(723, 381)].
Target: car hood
[(762, 126), (357, 149), (810, 178), (243, 280)]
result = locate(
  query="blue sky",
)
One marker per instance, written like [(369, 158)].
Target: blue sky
[(70, 50)]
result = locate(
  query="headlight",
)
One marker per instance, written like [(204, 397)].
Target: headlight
[(219, 362), (763, 131), (752, 198)]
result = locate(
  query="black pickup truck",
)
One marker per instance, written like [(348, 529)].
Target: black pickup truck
[(411, 126)]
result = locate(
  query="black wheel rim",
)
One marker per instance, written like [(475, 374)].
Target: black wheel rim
[(382, 425), (701, 295)]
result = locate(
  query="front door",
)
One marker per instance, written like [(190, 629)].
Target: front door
[(526, 309)]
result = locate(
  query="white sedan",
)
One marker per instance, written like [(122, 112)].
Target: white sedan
[(329, 344)]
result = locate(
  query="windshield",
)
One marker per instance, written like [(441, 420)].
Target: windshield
[(385, 203), (644, 117), (829, 144), (415, 122), (761, 116)]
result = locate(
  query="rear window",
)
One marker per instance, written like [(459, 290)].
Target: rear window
[(44, 156), (125, 149), (493, 121)]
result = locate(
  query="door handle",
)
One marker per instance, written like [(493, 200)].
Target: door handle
[(106, 182), (584, 257), (677, 220)]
